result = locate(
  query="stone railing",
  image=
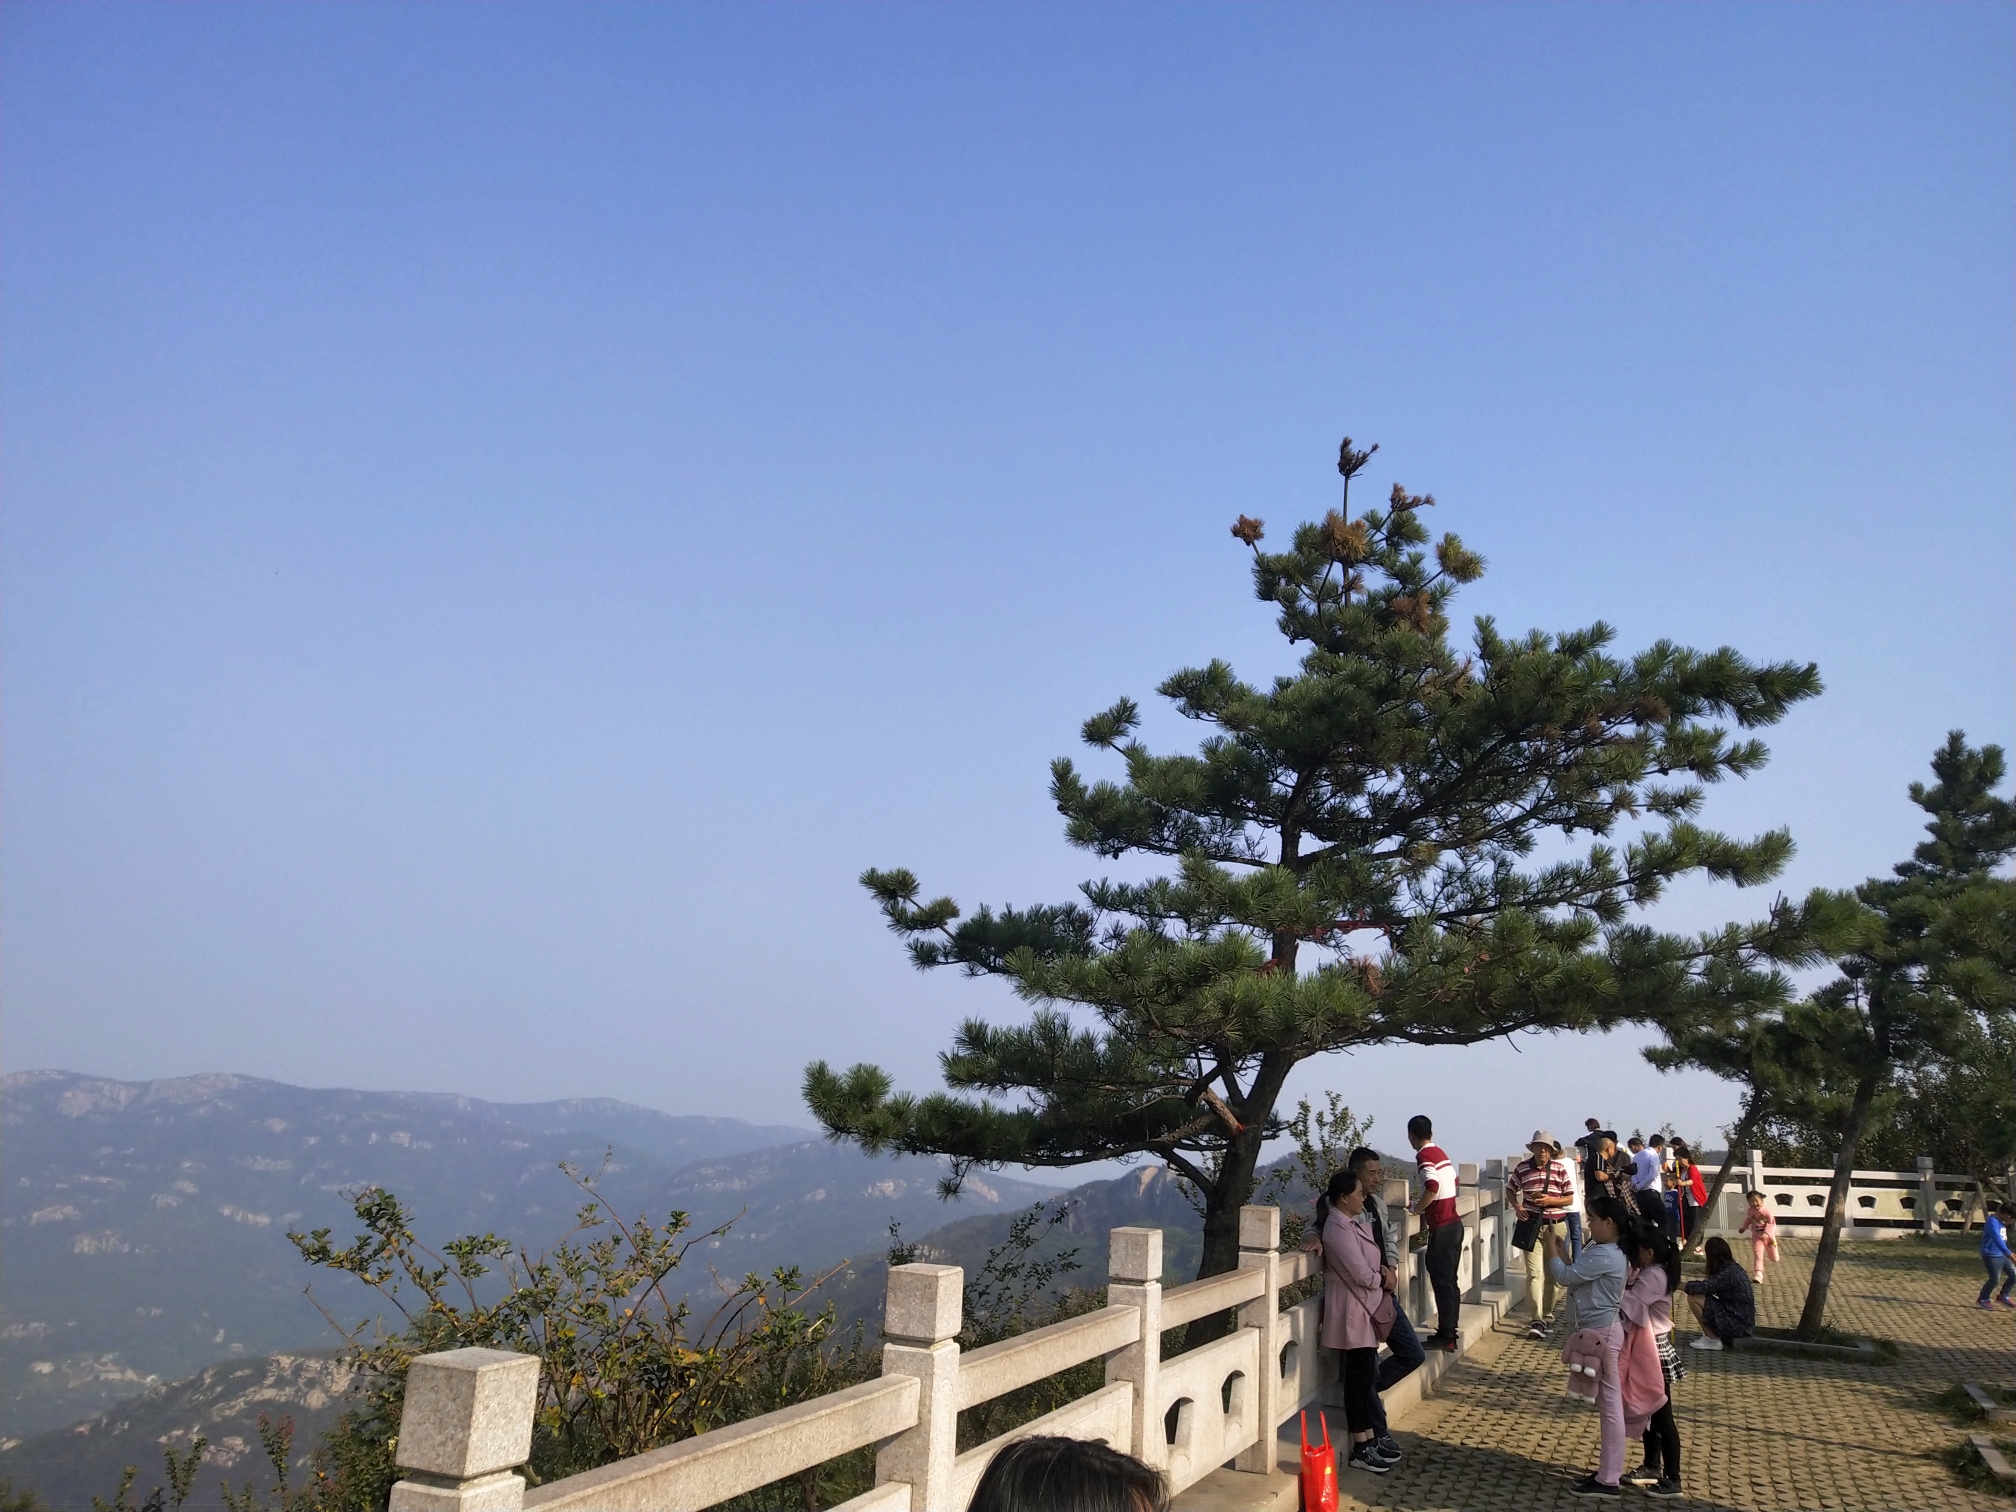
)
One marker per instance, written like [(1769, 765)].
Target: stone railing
[(1215, 1409), (1881, 1204)]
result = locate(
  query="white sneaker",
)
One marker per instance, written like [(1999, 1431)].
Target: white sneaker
[(1706, 1343)]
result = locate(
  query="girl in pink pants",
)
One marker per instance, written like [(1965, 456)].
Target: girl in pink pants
[(1761, 1224), (1595, 1280)]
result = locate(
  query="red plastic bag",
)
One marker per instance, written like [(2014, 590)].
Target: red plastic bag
[(1319, 1469)]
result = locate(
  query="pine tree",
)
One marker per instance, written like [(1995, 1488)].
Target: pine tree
[(1934, 967), (1351, 862), (1778, 1056)]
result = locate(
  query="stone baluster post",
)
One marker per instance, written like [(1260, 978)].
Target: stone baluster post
[(1396, 1196), (1491, 1264), (1928, 1196), (1473, 1231), (921, 1318), (1260, 1249), (1757, 1176), (466, 1427), (1134, 1279)]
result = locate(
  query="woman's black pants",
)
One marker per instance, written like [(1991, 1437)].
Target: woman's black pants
[(1361, 1395)]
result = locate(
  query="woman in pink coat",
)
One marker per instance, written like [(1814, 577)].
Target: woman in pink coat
[(1352, 1294)]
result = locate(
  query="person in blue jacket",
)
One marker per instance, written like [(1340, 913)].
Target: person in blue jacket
[(1995, 1256)]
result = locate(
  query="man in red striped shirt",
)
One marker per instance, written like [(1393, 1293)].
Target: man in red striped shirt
[(1437, 1208), (1541, 1187)]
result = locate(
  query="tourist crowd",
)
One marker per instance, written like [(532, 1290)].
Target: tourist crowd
[(1604, 1249)]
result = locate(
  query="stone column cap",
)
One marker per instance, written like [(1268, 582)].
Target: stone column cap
[(468, 1412)]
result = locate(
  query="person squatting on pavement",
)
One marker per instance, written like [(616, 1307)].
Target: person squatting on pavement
[(1723, 1303), (1595, 1282), (1542, 1188)]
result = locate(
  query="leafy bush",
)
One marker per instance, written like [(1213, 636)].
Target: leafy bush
[(624, 1369)]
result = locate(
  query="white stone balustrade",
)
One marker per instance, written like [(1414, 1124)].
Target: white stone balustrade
[(1215, 1408), (1881, 1204)]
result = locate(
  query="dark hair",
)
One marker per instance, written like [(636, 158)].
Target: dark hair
[(1592, 1123), (1610, 1210), (1659, 1140), (1717, 1251), (1419, 1127), (1360, 1158), (1343, 1182), (1067, 1475), (1654, 1246)]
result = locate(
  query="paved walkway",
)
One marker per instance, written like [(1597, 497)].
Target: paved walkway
[(1757, 1432)]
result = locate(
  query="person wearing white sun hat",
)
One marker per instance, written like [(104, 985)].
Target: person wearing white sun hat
[(1542, 1193)]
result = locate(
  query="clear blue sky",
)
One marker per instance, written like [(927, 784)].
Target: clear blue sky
[(508, 509)]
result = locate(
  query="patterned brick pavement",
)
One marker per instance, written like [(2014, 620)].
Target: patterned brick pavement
[(1757, 1432)]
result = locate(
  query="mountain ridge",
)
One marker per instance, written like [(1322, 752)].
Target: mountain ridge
[(142, 1224)]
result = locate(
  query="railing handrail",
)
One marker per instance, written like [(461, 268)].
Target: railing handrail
[(1022, 1360), (768, 1448), (469, 1413), (1199, 1299), (1299, 1266), (1821, 1175)]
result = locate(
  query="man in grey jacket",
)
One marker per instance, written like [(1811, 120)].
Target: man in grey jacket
[(1405, 1353)]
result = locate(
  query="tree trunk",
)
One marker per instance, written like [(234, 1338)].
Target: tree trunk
[(1233, 1186), (1221, 1227), (1745, 1126), (1813, 1316), (1222, 1203)]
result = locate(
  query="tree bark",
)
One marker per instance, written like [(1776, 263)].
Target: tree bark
[(1234, 1185), (1814, 1315), (1745, 1126)]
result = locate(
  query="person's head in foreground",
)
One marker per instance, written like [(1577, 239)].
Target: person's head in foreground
[(1067, 1475), (1608, 1219)]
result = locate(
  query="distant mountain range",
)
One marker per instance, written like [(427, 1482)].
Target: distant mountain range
[(143, 1225), (68, 1466)]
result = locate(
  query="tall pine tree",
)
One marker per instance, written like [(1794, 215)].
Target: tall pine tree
[(1936, 967), (1351, 862)]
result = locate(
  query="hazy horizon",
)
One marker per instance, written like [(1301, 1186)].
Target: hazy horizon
[(509, 510)]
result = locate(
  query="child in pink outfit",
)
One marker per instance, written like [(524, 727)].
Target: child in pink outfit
[(1761, 1224)]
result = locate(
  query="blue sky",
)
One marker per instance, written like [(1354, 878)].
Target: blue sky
[(508, 509)]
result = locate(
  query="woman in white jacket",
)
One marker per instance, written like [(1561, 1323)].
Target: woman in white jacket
[(1595, 1282)]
